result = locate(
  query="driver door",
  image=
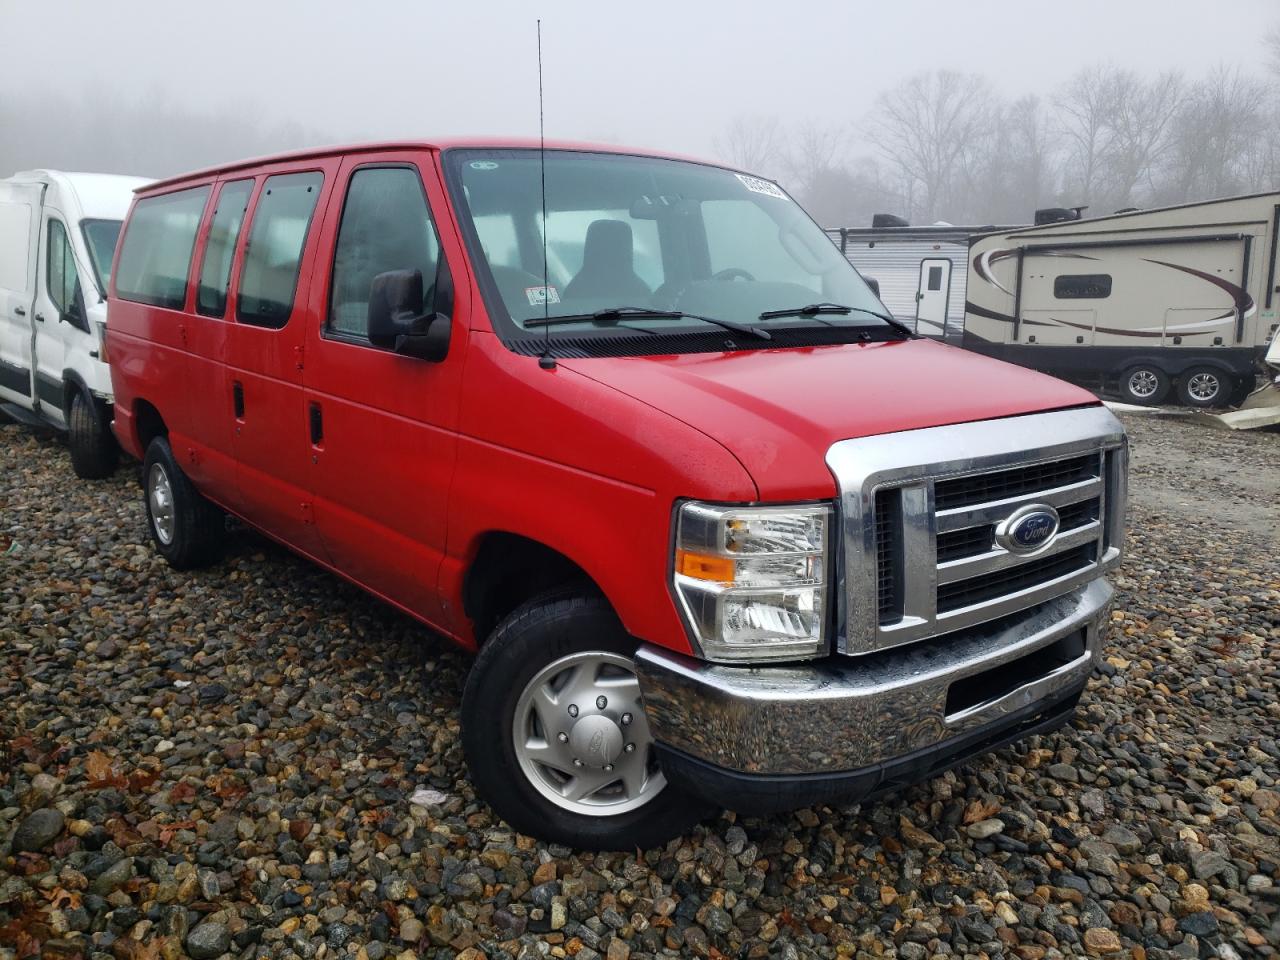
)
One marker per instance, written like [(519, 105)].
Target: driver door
[(59, 312)]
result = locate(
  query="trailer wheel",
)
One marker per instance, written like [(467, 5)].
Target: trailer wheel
[(1243, 387), (1145, 384), (1204, 387), (94, 453)]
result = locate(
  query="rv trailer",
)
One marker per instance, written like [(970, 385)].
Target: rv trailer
[(921, 271), (1149, 302)]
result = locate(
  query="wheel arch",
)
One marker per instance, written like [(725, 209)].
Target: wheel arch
[(505, 569), (147, 424)]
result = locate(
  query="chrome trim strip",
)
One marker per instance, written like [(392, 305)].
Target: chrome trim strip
[(838, 714), (966, 568), (993, 511), (915, 460)]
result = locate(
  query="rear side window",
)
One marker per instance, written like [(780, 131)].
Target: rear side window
[(386, 225), (156, 256), (224, 230), (269, 277), (62, 281)]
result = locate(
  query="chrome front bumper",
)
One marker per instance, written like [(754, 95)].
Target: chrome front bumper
[(853, 715)]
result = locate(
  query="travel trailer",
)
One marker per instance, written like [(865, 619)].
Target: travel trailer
[(57, 238), (921, 272), (1153, 303)]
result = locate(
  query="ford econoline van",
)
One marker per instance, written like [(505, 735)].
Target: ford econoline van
[(719, 530), (57, 238)]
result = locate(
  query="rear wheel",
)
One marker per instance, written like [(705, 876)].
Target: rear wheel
[(556, 736), (1145, 384), (1205, 387), (186, 528), (94, 453), (1243, 387)]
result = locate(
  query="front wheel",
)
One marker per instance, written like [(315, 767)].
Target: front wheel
[(94, 453), (1204, 387), (556, 736)]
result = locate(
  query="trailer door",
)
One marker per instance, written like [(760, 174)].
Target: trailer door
[(19, 219), (932, 292)]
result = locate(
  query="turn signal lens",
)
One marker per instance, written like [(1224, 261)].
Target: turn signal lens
[(704, 566)]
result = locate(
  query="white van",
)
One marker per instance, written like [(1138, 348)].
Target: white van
[(58, 235)]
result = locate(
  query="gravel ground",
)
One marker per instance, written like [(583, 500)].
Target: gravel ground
[(258, 760)]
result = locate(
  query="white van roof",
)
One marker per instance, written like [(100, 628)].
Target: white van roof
[(102, 196)]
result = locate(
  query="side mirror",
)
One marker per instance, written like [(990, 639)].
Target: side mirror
[(874, 284), (396, 319)]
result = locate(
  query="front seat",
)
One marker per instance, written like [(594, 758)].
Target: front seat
[(608, 266)]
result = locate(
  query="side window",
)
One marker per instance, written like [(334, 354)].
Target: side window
[(224, 230), (386, 225), (1082, 286), (269, 276), (155, 257), (61, 279)]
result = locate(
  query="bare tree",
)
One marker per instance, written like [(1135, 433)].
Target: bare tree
[(1142, 126), (753, 143), (1272, 44), (929, 128), (1219, 143)]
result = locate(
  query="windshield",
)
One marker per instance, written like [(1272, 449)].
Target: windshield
[(648, 233), (100, 237)]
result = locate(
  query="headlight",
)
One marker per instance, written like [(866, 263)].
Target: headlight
[(752, 580)]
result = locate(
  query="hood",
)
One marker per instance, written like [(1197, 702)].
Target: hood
[(778, 411)]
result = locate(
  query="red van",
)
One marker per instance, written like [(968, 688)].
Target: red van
[(629, 426)]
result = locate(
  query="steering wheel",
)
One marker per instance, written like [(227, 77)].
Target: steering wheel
[(731, 273)]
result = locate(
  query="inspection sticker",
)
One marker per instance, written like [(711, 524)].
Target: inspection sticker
[(541, 295), (756, 185)]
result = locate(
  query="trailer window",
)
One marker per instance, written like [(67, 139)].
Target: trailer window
[(1082, 286), (269, 277), (156, 256), (228, 215), (935, 278)]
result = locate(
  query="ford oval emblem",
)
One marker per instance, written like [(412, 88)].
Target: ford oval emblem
[(1028, 529)]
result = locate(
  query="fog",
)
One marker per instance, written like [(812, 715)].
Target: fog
[(154, 88)]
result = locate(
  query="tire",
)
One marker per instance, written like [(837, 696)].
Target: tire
[(1205, 387), (1244, 386), (94, 452), (187, 529), (1145, 384), (510, 751)]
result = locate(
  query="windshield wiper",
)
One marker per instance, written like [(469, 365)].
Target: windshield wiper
[(610, 317), (814, 309)]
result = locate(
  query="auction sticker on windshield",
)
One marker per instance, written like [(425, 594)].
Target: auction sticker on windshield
[(540, 295), (756, 185)]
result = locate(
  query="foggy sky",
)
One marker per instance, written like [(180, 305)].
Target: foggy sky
[(653, 73)]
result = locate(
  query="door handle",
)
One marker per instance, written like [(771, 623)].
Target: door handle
[(39, 318), (316, 419), (20, 311), (237, 400)]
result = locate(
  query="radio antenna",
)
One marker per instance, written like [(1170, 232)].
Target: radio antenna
[(546, 361)]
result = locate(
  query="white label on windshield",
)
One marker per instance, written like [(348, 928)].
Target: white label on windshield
[(541, 295), (756, 185)]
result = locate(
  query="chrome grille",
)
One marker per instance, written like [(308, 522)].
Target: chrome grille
[(920, 537)]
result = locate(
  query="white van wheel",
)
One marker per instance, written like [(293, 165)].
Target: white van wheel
[(94, 453)]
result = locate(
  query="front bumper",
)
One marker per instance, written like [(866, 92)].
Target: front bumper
[(762, 739)]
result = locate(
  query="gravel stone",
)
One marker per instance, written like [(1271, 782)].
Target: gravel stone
[(38, 830), (262, 761)]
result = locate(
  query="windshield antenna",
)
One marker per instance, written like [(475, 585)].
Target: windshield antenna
[(546, 361)]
